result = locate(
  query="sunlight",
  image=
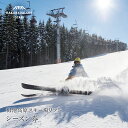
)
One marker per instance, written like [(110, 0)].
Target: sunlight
[(103, 7)]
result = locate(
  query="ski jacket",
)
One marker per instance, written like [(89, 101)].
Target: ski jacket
[(77, 70)]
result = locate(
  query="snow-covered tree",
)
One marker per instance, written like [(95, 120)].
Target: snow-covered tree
[(42, 34), (51, 41), (9, 37), (1, 29), (33, 43)]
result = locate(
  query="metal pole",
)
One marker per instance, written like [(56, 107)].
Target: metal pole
[(7, 56), (117, 46), (58, 41)]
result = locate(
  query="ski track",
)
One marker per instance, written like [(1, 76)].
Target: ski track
[(107, 107)]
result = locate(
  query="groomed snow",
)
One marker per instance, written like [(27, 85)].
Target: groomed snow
[(107, 107)]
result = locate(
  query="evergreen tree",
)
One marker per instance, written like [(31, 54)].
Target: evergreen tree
[(51, 41), (64, 43), (42, 43), (2, 55), (20, 41), (1, 29), (9, 35), (26, 41), (33, 43)]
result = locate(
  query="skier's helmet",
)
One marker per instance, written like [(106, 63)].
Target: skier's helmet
[(77, 60)]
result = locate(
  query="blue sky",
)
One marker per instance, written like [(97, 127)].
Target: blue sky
[(108, 18)]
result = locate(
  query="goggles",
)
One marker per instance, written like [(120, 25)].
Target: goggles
[(75, 62)]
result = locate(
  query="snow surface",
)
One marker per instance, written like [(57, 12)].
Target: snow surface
[(107, 107)]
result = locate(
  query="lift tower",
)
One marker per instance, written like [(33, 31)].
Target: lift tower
[(57, 14)]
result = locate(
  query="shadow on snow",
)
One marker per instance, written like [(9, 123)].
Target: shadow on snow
[(76, 106)]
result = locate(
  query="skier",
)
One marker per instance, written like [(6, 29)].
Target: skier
[(77, 70)]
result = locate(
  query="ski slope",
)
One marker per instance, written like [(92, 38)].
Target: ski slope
[(107, 107)]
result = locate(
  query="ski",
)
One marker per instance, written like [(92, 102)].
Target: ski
[(64, 90), (35, 87), (29, 95)]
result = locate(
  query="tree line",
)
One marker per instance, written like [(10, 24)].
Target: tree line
[(24, 42)]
